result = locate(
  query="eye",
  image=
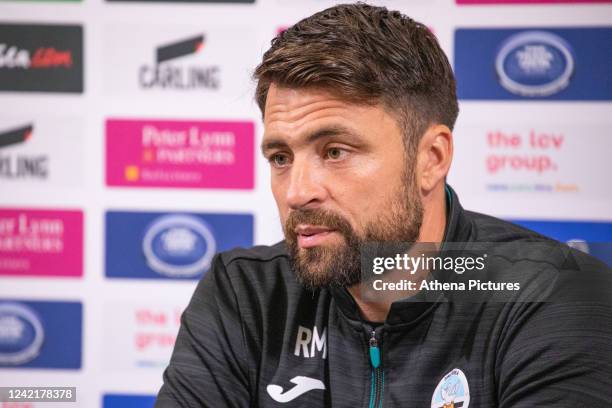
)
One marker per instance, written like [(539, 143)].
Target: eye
[(335, 153), (279, 160)]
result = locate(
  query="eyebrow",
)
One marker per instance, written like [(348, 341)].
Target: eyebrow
[(328, 132)]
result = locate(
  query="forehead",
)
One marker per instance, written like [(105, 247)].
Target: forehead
[(295, 112), (293, 104)]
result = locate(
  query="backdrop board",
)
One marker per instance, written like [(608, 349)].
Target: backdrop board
[(129, 155)]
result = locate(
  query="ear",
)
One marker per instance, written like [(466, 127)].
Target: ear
[(434, 157)]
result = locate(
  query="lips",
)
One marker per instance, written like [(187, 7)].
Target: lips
[(309, 236)]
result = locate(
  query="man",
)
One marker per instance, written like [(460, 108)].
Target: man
[(358, 104)]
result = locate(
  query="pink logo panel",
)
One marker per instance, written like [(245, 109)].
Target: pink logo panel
[(530, 1), (41, 243), (183, 154)]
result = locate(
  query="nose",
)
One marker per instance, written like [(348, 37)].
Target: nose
[(306, 188)]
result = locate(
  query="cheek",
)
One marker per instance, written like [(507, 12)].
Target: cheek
[(364, 199), (279, 194)]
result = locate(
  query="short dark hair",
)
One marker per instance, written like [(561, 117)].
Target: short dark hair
[(366, 54)]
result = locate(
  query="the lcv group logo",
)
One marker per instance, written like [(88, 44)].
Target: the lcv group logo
[(40, 334), (506, 158), (43, 58), (187, 154), (148, 334), (170, 245), (551, 63)]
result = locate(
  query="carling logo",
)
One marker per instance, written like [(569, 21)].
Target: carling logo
[(179, 60), (44, 153), (188, 154), (40, 334), (41, 243), (175, 69), (551, 63), (21, 166), (180, 48), (170, 246), (15, 136), (43, 58)]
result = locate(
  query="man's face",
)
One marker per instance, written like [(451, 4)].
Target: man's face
[(340, 177)]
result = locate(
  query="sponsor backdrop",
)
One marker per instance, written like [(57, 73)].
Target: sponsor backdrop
[(129, 157)]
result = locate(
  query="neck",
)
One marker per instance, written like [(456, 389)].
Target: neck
[(432, 230)]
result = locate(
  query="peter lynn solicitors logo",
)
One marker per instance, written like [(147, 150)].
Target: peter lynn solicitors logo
[(41, 58), (175, 68), (551, 63), (187, 1), (41, 242), (187, 154), (20, 166)]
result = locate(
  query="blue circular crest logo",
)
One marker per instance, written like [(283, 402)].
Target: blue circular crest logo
[(179, 246), (21, 334), (535, 64)]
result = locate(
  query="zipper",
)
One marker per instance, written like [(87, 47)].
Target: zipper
[(378, 376)]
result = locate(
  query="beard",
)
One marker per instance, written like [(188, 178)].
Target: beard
[(340, 265)]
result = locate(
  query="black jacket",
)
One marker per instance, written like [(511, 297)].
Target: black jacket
[(252, 336)]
